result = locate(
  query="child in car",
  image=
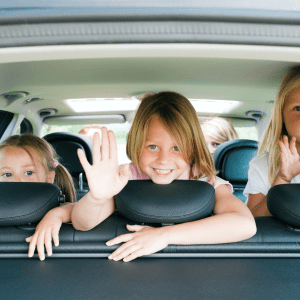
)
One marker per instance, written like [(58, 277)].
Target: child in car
[(278, 154), (217, 131), (28, 158), (165, 143)]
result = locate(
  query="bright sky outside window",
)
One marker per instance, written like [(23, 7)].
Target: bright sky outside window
[(131, 104)]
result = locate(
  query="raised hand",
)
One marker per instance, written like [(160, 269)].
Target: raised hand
[(144, 241), (290, 164), (103, 176)]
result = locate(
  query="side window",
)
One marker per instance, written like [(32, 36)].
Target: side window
[(249, 133)]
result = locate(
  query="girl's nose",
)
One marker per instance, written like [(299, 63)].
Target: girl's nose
[(163, 157), (17, 178)]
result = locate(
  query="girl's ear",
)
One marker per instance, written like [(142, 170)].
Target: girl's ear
[(50, 177)]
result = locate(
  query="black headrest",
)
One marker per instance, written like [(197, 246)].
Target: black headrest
[(283, 202), (177, 202), (232, 160), (66, 145), (27, 202)]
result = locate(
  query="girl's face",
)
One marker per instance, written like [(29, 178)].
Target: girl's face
[(161, 158), (212, 143), (291, 114), (16, 165)]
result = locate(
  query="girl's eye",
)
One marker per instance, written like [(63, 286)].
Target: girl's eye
[(176, 148), (297, 108), (7, 175), (153, 147), (29, 173), (216, 145)]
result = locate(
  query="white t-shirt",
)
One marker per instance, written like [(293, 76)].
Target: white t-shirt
[(258, 181)]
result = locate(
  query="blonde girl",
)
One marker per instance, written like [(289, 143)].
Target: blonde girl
[(165, 143), (28, 158), (216, 132), (278, 156)]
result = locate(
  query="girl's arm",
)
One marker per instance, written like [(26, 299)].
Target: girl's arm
[(289, 168), (48, 229), (104, 179), (232, 222)]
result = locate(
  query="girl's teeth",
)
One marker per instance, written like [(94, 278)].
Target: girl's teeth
[(162, 171)]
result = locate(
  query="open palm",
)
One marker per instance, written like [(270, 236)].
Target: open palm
[(104, 178)]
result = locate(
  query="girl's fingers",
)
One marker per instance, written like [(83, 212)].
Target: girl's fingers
[(48, 243), (134, 255), (113, 153), (82, 158), (293, 148), (55, 237), (40, 246), (120, 239), (125, 172), (28, 239), (124, 252), (96, 147), (135, 227), (104, 144), (32, 245)]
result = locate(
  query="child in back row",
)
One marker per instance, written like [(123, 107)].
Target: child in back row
[(165, 143), (278, 156), (217, 131), (28, 158)]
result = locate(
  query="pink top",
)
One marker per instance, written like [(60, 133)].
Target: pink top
[(136, 175)]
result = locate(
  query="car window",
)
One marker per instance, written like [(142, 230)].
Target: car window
[(120, 130)]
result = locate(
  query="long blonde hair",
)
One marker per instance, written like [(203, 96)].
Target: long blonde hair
[(180, 118), (47, 157), (219, 129), (276, 128)]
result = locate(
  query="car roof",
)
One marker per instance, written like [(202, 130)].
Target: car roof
[(221, 51)]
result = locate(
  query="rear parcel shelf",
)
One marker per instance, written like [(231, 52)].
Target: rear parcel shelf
[(273, 238)]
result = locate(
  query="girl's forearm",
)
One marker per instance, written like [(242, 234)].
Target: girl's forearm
[(222, 228), (88, 212)]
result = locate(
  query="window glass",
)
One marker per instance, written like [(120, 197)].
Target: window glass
[(120, 131)]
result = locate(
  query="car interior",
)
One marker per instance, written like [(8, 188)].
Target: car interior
[(61, 71)]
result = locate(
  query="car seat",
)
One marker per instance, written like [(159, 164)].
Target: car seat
[(66, 145), (232, 162)]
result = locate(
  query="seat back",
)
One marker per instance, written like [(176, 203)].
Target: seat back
[(232, 160), (66, 145)]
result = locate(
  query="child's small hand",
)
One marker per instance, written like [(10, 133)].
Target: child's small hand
[(46, 230), (144, 241), (103, 176), (290, 164)]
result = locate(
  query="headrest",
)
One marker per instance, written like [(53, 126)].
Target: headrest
[(66, 145), (283, 202), (177, 202), (27, 202), (232, 159)]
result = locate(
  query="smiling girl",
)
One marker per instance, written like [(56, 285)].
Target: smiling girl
[(165, 143), (278, 155), (28, 158)]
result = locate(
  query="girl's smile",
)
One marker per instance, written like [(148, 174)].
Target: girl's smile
[(161, 158)]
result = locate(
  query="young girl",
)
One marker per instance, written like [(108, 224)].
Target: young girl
[(217, 131), (165, 143), (278, 156), (28, 158)]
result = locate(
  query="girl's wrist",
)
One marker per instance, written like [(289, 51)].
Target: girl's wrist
[(95, 201)]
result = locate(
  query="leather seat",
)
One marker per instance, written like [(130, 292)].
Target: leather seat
[(232, 161), (66, 145)]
